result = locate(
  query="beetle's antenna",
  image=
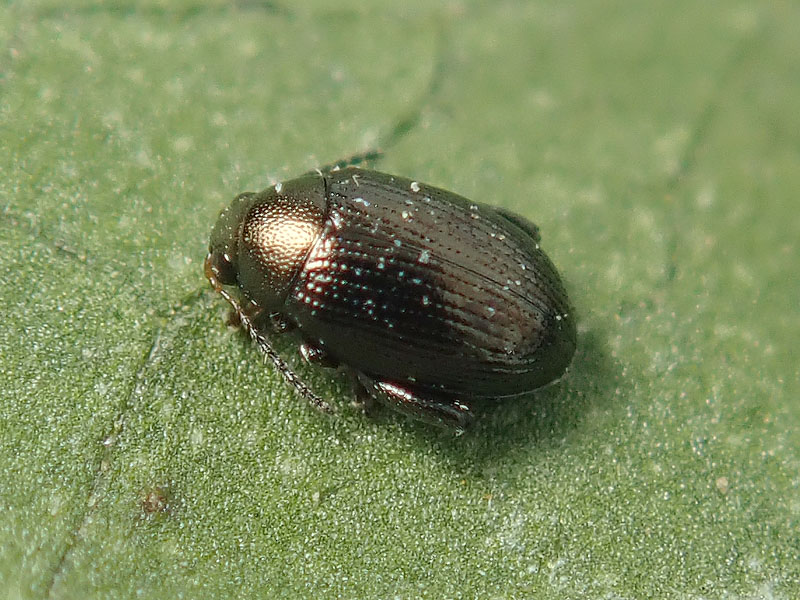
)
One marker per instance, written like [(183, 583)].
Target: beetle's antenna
[(367, 156), (263, 343)]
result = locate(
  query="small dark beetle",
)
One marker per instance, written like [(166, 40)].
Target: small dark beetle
[(429, 300)]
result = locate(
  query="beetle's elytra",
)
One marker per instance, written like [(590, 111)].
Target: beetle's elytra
[(430, 300)]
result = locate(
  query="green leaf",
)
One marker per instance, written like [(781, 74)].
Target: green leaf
[(146, 450)]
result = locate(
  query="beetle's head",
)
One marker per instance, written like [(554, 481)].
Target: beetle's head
[(260, 242), (222, 260)]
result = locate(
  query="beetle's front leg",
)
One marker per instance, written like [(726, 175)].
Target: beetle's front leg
[(250, 310)]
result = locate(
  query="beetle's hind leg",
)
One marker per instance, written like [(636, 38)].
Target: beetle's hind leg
[(443, 411)]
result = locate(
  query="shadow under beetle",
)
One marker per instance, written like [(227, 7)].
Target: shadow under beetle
[(428, 299)]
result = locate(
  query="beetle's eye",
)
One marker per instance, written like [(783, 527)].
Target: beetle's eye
[(223, 268)]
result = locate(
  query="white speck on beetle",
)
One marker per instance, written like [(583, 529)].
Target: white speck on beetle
[(424, 257), (355, 179), (426, 301), (278, 187), (414, 186), (406, 215), (491, 310), (360, 200), (398, 243)]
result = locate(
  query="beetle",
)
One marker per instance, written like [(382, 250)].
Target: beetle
[(431, 301)]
